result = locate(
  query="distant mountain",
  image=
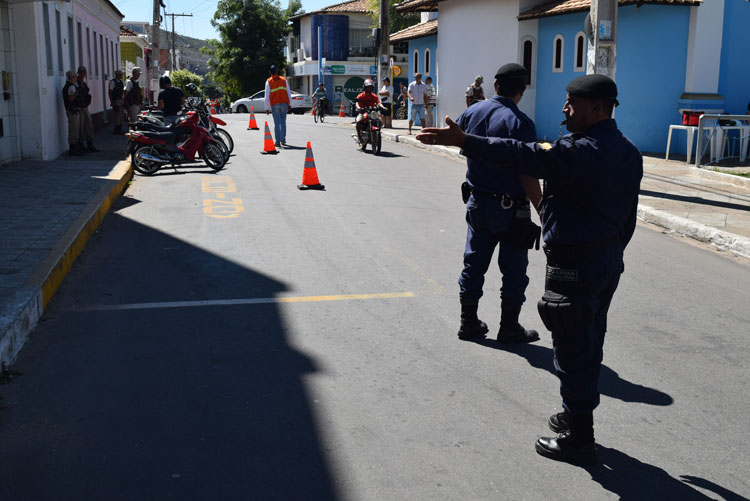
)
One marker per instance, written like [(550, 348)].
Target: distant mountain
[(191, 57)]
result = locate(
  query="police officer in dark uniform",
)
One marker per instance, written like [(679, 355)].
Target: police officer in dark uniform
[(592, 178), (498, 213)]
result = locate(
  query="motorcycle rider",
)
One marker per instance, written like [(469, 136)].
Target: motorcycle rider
[(366, 99), (320, 97), (171, 100)]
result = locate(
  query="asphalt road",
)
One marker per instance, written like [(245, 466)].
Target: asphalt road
[(227, 336)]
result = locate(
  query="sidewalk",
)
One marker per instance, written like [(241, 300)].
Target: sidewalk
[(703, 204), (49, 209)]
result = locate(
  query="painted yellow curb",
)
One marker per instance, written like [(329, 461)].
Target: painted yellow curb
[(84, 228)]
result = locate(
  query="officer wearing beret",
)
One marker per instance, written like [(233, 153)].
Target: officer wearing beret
[(592, 178), (498, 213)]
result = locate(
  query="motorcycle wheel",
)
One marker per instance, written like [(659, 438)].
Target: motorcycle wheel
[(376, 143), (315, 116), (142, 165), (363, 144), (322, 115), (225, 138), (224, 150), (213, 156)]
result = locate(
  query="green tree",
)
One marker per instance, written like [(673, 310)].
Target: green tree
[(181, 78), (397, 21), (294, 9), (251, 38)]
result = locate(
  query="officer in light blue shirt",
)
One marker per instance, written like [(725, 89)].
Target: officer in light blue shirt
[(498, 213)]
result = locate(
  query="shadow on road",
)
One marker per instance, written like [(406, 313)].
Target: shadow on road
[(201, 402), (630, 478), (696, 200), (610, 383)]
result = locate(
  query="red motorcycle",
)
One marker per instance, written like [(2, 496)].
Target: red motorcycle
[(174, 145), (369, 132)]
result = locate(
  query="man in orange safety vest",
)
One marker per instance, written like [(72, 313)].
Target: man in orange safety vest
[(278, 100)]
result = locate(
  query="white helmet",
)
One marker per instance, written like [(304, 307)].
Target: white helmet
[(368, 83)]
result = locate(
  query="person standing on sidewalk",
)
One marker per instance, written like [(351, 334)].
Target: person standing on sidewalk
[(386, 99), (83, 102), (133, 96), (116, 90), (498, 213), (589, 207), (475, 91), (278, 100), (70, 96), (429, 102), (416, 96)]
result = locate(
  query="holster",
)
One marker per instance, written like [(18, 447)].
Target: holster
[(465, 191), (524, 234), (560, 307)]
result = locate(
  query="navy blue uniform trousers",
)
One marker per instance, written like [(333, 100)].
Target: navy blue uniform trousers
[(488, 224), (582, 287)]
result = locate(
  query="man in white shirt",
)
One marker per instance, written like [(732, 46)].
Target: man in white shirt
[(416, 96), (386, 99), (429, 102)]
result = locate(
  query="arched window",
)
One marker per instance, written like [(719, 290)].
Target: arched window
[(557, 59), (528, 59), (416, 62), (580, 62), (427, 61)]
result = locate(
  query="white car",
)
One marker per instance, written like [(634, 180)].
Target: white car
[(300, 103)]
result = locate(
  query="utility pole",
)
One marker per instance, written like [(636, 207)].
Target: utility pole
[(153, 69), (602, 30), (173, 59), (385, 38)]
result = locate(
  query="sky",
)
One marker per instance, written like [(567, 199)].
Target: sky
[(198, 26)]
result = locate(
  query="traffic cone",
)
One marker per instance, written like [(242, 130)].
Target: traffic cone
[(252, 124), (342, 113), (268, 147), (310, 173)]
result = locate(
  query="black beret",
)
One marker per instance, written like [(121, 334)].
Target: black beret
[(593, 86), (511, 70)]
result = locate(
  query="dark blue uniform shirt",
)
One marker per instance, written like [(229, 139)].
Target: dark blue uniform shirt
[(496, 117), (591, 181)]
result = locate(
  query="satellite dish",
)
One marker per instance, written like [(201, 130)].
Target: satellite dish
[(587, 28)]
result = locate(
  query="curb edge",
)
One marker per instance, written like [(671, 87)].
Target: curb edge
[(22, 315)]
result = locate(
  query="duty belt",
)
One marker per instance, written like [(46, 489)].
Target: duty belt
[(506, 199)]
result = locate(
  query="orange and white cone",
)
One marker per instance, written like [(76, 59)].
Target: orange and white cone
[(268, 146), (342, 113), (310, 173), (252, 124)]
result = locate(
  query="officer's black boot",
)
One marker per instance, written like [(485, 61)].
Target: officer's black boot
[(471, 326), (91, 147), (74, 151), (510, 330), (559, 422), (81, 148), (575, 445)]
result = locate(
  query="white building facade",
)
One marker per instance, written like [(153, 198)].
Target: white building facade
[(41, 41)]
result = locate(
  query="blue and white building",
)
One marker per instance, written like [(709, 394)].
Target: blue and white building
[(422, 52), (672, 55)]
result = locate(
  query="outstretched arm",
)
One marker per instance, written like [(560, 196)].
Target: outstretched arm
[(529, 159)]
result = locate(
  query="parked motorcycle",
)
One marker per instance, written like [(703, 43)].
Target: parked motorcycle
[(175, 145), (370, 126)]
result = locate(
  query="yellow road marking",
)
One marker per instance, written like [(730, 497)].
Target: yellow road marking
[(247, 301)]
